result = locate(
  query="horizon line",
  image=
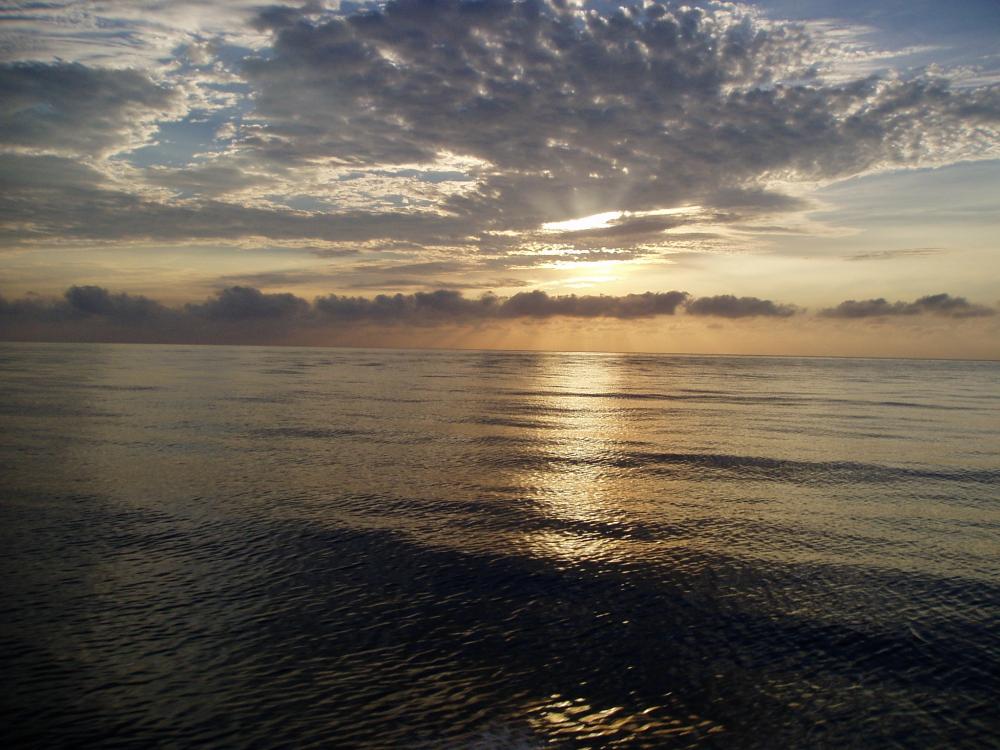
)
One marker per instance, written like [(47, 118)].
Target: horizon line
[(499, 349)]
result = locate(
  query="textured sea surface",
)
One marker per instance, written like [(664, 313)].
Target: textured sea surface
[(263, 547)]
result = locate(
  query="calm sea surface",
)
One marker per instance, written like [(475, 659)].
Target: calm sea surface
[(355, 548)]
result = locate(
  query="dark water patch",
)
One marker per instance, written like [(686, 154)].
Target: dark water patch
[(437, 645), (118, 388), (843, 433), (809, 472), (907, 405), (272, 399), (692, 395), (708, 466), (312, 433), (506, 440), (43, 410)]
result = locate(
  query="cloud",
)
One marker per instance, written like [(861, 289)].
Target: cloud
[(535, 304), (582, 112), (118, 33), (937, 304), (443, 124), (538, 304), (407, 283), (207, 180), (67, 201), (909, 252), (94, 300), (68, 108), (244, 314), (248, 303), (440, 304), (22, 176), (729, 306), (84, 302)]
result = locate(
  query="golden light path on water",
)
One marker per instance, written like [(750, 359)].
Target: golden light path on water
[(574, 488), (581, 491)]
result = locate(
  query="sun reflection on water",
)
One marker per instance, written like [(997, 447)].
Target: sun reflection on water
[(573, 484), (563, 717)]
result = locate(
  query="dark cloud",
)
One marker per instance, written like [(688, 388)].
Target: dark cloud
[(538, 304), (441, 304), (66, 200), (247, 315), (248, 303), (938, 304), (22, 176), (909, 252), (206, 180), (728, 306), (95, 300), (68, 107), (755, 198), (84, 302), (410, 283)]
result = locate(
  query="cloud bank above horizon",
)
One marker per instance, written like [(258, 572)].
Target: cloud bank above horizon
[(648, 321), (242, 303)]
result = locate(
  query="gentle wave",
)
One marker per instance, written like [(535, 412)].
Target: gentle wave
[(731, 398)]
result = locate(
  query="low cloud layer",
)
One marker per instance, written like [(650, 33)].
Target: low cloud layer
[(728, 306), (243, 308), (935, 304), (242, 304)]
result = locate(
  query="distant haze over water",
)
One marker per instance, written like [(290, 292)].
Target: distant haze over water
[(247, 546)]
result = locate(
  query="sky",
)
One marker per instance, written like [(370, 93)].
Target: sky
[(808, 177)]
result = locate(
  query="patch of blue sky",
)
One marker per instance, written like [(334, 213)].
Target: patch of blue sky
[(178, 143), (959, 193), (962, 33)]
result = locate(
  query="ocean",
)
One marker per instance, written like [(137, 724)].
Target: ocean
[(290, 547)]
